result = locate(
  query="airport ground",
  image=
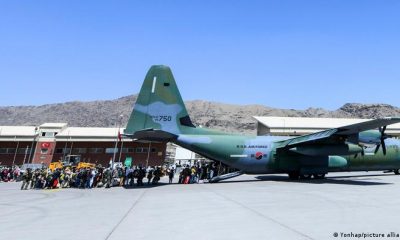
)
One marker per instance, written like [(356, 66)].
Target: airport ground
[(247, 207)]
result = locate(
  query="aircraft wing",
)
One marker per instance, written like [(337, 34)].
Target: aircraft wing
[(339, 135)]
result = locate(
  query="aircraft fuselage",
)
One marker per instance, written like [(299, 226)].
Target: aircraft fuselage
[(260, 155)]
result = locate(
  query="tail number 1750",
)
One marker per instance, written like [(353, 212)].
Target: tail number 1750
[(161, 118)]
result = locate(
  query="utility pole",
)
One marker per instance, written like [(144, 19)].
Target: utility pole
[(148, 155), (117, 123), (26, 152), (16, 150), (33, 142)]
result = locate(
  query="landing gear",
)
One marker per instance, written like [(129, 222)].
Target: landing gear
[(294, 175), (305, 176), (397, 171), (297, 176), (319, 176)]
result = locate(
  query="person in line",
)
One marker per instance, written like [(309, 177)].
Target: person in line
[(26, 179), (171, 175), (150, 175), (141, 174)]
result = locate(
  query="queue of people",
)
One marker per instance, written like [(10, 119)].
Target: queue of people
[(197, 173), (70, 177)]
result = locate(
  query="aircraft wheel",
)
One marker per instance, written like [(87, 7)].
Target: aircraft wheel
[(397, 171), (305, 176), (319, 176), (294, 175)]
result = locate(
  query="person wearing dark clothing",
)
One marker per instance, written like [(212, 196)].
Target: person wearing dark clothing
[(84, 178), (157, 175), (171, 175), (149, 175), (107, 178), (26, 178), (55, 178), (140, 175)]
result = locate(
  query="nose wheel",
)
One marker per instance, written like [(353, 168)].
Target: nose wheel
[(397, 171)]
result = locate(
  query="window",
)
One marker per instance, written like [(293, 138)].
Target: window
[(153, 150), (59, 150), (44, 150), (66, 150), (96, 150), (79, 150), (11, 150), (48, 134), (23, 150), (3, 150), (141, 150), (128, 150), (111, 150)]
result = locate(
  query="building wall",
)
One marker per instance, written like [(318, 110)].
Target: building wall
[(104, 152), (14, 150), (136, 150), (44, 152)]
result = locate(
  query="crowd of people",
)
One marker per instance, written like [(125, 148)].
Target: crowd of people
[(196, 173), (71, 177), (9, 174)]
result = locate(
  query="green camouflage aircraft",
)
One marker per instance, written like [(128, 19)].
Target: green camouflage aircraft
[(160, 115)]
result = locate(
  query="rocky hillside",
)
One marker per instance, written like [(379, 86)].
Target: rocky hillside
[(221, 116)]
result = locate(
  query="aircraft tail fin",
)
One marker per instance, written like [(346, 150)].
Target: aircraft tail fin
[(159, 106)]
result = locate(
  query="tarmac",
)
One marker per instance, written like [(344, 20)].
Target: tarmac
[(246, 207)]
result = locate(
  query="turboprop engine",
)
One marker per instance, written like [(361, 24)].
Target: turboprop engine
[(327, 150), (374, 137)]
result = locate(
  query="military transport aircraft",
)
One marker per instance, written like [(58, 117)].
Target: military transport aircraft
[(160, 115)]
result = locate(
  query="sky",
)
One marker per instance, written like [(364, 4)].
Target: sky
[(286, 54)]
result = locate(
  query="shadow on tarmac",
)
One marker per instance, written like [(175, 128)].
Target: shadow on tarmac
[(145, 185), (345, 180)]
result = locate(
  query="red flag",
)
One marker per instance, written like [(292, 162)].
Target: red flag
[(119, 136)]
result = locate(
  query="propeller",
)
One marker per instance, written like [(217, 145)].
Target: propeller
[(383, 137)]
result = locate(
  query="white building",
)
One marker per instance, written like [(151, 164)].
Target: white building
[(296, 126)]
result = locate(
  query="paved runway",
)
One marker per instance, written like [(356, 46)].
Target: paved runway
[(247, 207)]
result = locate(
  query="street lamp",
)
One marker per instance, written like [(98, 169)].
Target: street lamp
[(36, 135), (118, 123)]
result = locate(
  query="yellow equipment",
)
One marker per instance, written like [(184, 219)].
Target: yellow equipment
[(71, 161), (85, 165), (54, 165)]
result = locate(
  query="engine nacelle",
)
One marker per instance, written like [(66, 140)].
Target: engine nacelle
[(327, 150), (337, 162), (370, 137)]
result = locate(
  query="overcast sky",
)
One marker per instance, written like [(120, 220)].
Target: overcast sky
[(286, 54)]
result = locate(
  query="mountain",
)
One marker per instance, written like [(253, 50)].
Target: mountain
[(227, 117)]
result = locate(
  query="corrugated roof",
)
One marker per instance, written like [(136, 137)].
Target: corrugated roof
[(311, 123), (89, 132), (17, 130), (53, 125)]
